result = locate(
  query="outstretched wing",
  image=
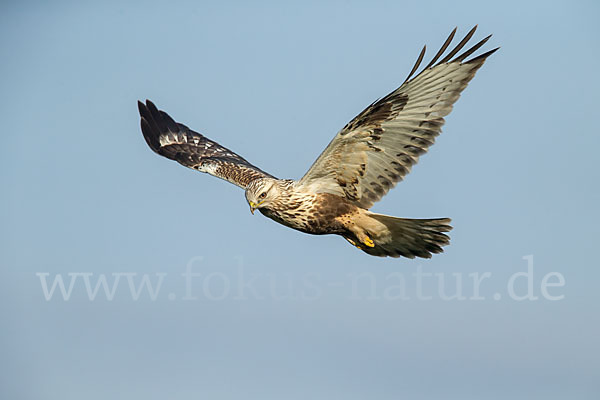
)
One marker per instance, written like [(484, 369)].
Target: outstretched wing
[(377, 149), (178, 142)]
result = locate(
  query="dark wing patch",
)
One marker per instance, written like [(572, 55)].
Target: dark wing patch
[(381, 110), (375, 150), (193, 150)]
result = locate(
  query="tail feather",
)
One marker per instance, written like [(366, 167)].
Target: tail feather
[(409, 237)]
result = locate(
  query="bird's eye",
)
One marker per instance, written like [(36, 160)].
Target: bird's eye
[(262, 195)]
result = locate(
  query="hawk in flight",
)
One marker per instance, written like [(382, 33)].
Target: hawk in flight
[(366, 159)]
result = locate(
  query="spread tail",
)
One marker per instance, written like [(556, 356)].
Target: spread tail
[(406, 237)]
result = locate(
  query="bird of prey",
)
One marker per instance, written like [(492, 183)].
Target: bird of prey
[(365, 159)]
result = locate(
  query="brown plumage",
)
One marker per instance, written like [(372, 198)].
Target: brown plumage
[(366, 159)]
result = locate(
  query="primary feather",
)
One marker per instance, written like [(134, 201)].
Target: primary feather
[(375, 150), (366, 159), (191, 149)]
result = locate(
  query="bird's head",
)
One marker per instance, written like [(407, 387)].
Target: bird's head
[(261, 192)]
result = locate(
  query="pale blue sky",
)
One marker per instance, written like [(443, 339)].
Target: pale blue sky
[(515, 167)]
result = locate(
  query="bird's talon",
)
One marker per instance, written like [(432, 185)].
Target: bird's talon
[(367, 240)]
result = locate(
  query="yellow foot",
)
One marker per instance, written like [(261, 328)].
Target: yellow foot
[(353, 243), (367, 240)]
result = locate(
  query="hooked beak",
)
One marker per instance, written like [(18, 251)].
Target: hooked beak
[(254, 206)]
